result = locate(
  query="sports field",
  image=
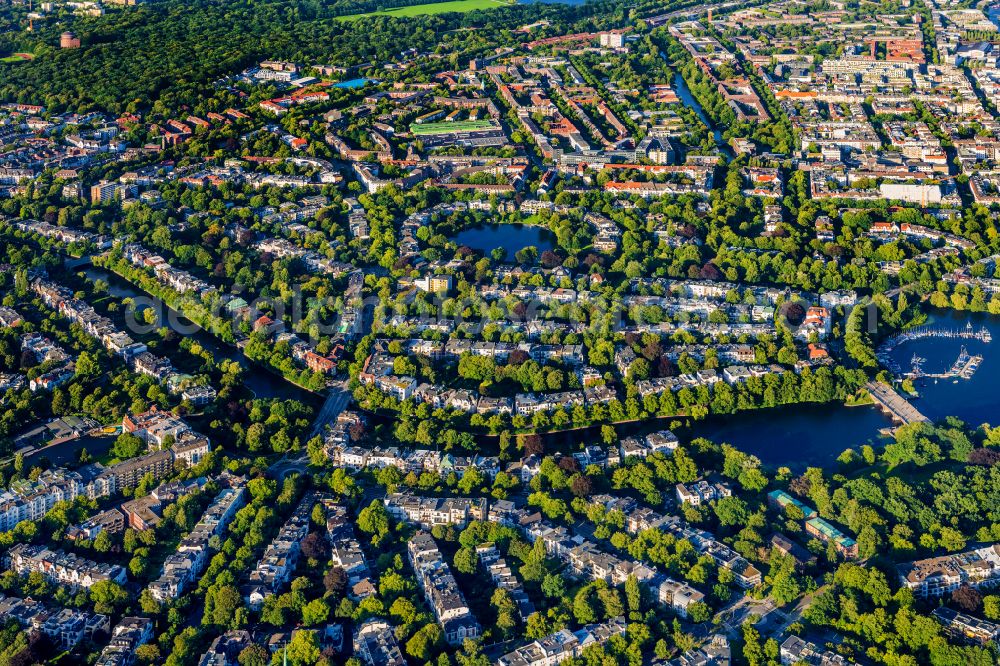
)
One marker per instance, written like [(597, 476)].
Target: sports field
[(452, 127), (433, 8)]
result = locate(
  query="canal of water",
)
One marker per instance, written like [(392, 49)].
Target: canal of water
[(261, 382)]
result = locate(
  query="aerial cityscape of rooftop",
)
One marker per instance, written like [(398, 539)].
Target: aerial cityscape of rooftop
[(499, 332)]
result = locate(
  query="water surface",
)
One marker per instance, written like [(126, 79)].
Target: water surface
[(512, 237)]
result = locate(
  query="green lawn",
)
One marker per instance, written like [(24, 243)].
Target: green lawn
[(434, 8), (17, 57)]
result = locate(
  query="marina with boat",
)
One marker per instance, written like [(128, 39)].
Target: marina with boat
[(964, 367)]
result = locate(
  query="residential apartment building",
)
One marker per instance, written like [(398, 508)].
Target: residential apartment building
[(827, 533), (278, 562), (60, 567), (563, 645), (441, 590), (430, 511), (678, 595), (127, 635), (66, 627), (375, 643), (183, 566), (939, 576)]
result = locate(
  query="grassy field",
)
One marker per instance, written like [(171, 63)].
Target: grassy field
[(434, 8), (18, 57)]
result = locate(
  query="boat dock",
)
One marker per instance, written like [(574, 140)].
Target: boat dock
[(964, 367), (967, 333), (894, 404)]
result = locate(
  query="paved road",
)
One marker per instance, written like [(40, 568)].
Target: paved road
[(336, 400), (795, 614), (732, 617)]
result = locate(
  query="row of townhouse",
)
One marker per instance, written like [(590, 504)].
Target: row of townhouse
[(798, 651), (585, 560), (441, 590), (674, 306), (533, 328), (183, 566), (64, 235), (119, 343), (939, 576), (662, 441), (430, 511), (737, 374), (703, 329), (312, 260), (410, 460), (966, 628), (563, 645), (657, 385), (346, 551), (878, 229), (225, 649), (178, 280), (378, 368), (732, 374), (504, 579), (701, 492), (529, 294), (67, 569), (583, 557), (61, 299), (126, 637), (277, 564), (66, 627), (454, 348), (710, 289), (745, 573), (31, 500)]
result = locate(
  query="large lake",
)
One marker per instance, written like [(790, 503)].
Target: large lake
[(804, 435), (810, 435), (511, 237)]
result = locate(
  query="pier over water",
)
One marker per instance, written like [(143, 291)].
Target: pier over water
[(894, 404)]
